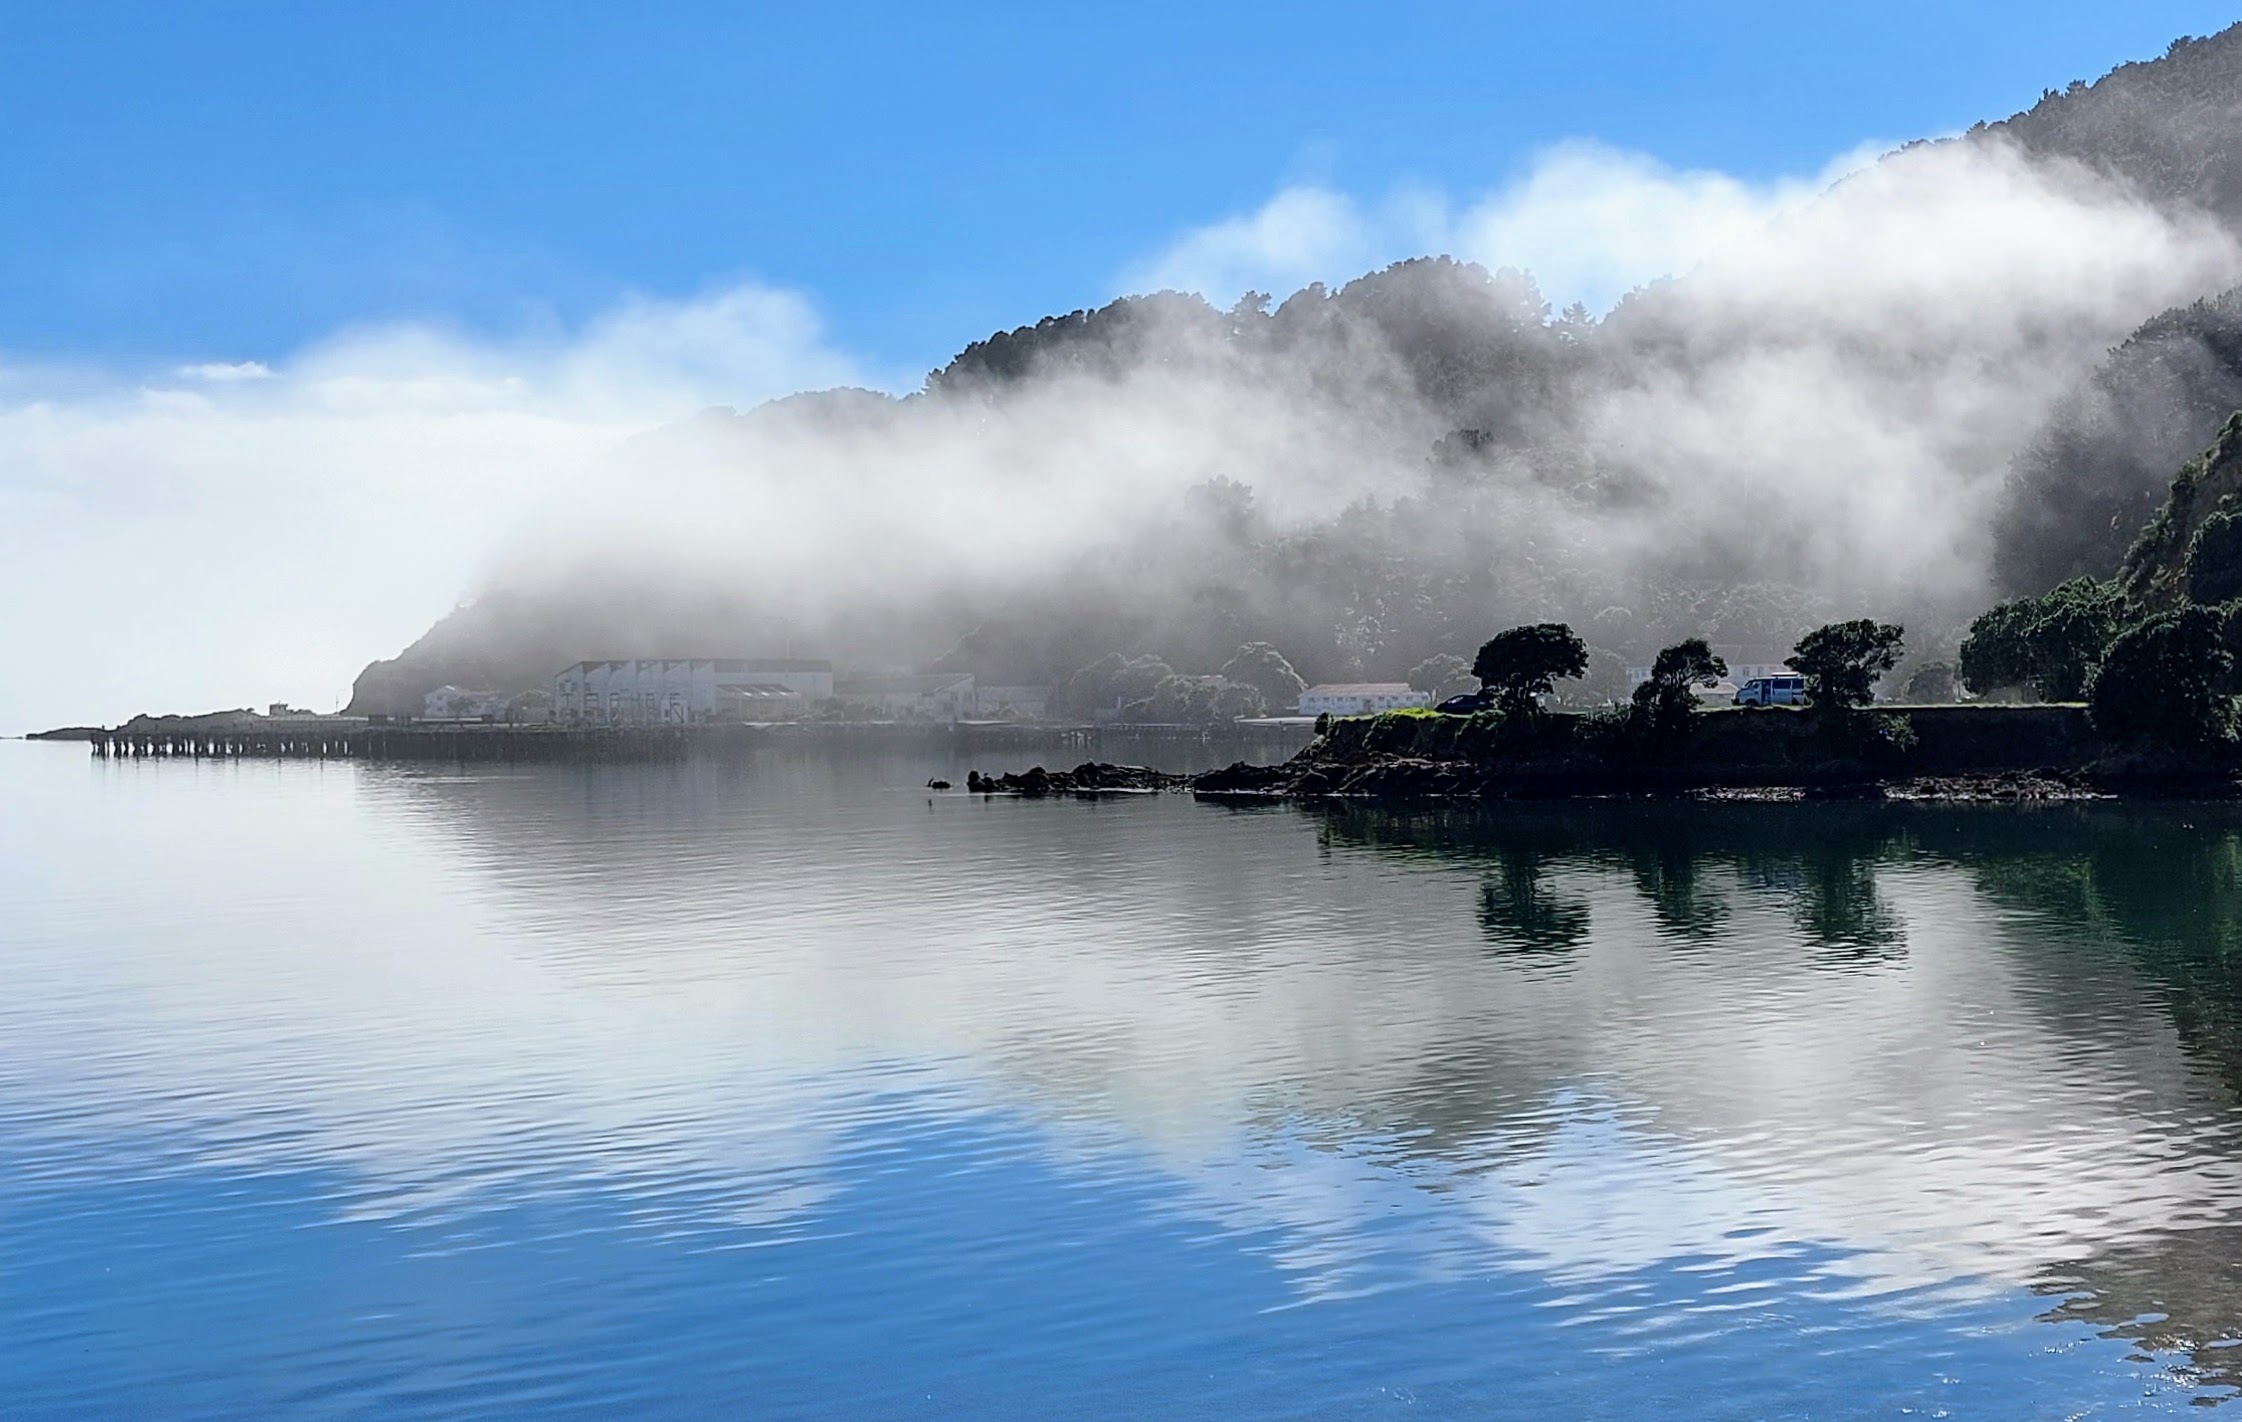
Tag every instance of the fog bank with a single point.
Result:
(1825, 398)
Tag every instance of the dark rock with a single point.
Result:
(1088, 778)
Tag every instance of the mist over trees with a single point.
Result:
(1363, 478)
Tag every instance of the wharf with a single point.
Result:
(352, 738)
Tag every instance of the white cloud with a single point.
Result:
(1589, 221)
(1841, 380)
(258, 532)
(223, 371)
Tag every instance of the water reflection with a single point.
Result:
(2109, 906)
(1649, 1055)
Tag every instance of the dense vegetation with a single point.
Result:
(2153, 651)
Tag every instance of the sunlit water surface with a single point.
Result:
(786, 1088)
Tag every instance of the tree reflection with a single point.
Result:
(1839, 909)
(1686, 904)
(1520, 913)
(1687, 861)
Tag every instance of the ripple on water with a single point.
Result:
(661, 1088)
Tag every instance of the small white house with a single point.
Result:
(1360, 698)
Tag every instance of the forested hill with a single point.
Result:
(2084, 487)
(2168, 127)
(1693, 460)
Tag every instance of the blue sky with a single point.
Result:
(231, 181)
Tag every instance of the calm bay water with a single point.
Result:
(787, 1089)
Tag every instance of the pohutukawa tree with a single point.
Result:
(1523, 664)
(1842, 661)
(1669, 697)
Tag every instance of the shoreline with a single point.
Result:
(1930, 754)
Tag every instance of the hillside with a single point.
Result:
(2079, 494)
(1370, 474)
(2191, 551)
(2167, 127)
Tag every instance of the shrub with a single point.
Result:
(2160, 683)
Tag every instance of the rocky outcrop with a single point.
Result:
(1088, 778)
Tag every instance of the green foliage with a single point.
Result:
(2095, 475)
(1233, 699)
(2214, 561)
(1669, 698)
(2159, 684)
(1197, 700)
(1264, 668)
(1842, 661)
(1524, 663)
(2152, 558)
(1441, 676)
(1110, 682)
(1931, 684)
(2048, 643)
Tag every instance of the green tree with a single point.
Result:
(1842, 661)
(1932, 684)
(1523, 664)
(1111, 681)
(1997, 653)
(2214, 560)
(1264, 668)
(1233, 699)
(1441, 676)
(1669, 697)
(2047, 643)
(2160, 683)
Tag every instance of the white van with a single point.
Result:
(1772, 691)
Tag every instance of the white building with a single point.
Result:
(450, 703)
(941, 696)
(687, 691)
(1360, 698)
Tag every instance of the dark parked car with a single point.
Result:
(1464, 705)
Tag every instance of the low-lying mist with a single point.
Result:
(1818, 407)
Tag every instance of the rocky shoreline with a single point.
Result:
(1317, 775)
(1091, 778)
(1422, 780)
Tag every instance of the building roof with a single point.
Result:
(1360, 688)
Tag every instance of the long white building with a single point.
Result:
(689, 691)
(1358, 698)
